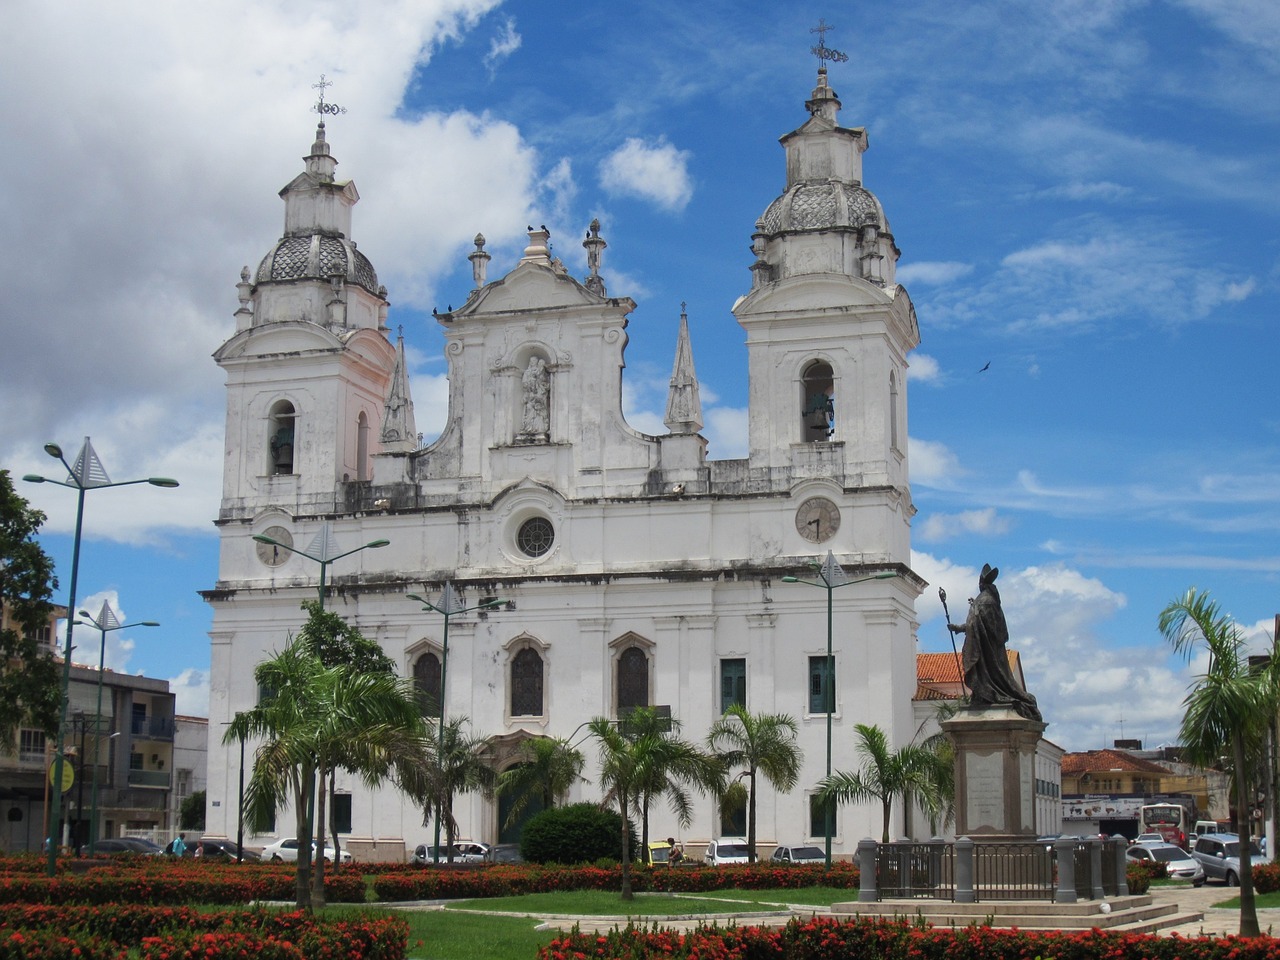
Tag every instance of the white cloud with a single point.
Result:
(1101, 190)
(655, 171)
(726, 432)
(933, 464)
(923, 369)
(932, 274)
(947, 526)
(503, 45)
(191, 691)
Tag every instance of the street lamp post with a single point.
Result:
(449, 605)
(106, 621)
(832, 577)
(322, 550)
(87, 474)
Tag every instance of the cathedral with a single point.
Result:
(615, 568)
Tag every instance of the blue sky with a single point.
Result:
(1085, 195)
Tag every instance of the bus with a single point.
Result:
(1171, 820)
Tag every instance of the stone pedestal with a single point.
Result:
(995, 773)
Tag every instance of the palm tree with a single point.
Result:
(1227, 710)
(547, 770)
(764, 744)
(457, 762)
(640, 758)
(885, 775)
(312, 716)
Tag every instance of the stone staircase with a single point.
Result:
(1129, 914)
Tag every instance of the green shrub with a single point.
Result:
(578, 833)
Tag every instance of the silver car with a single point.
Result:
(1219, 854)
(798, 854)
(1178, 864)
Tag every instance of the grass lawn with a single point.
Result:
(1260, 900)
(453, 935)
(605, 903)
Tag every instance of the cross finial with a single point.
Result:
(321, 107)
(822, 51)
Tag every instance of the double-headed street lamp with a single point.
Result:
(87, 474)
(322, 549)
(449, 605)
(106, 621)
(832, 578)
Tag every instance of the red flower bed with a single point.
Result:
(825, 939)
(498, 881)
(162, 933)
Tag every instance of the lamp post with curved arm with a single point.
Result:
(449, 604)
(87, 474)
(106, 621)
(832, 577)
(322, 550)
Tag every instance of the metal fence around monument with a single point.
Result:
(1018, 870)
(907, 870)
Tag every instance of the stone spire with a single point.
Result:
(399, 432)
(595, 246)
(684, 407)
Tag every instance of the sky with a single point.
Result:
(1084, 193)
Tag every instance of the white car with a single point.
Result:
(464, 851)
(1178, 864)
(286, 850)
(726, 850)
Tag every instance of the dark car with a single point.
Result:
(122, 846)
(504, 853)
(222, 850)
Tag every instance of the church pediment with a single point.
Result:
(277, 338)
(530, 286)
(813, 293)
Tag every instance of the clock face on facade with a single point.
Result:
(817, 519)
(273, 556)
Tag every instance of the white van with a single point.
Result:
(727, 850)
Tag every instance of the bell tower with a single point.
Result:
(310, 366)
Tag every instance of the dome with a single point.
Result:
(823, 206)
(317, 257)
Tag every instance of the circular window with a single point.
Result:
(535, 536)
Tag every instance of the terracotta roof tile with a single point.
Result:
(1107, 761)
(943, 668)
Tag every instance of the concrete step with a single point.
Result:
(1130, 914)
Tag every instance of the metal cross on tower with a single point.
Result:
(321, 107)
(822, 51)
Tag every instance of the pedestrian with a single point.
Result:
(179, 846)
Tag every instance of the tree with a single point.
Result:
(577, 833)
(191, 812)
(457, 762)
(30, 685)
(1226, 711)
(640, 757)
(310, 717)
(548, 768)
(764, 744)
(885, 775)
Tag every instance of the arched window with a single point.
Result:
(526, 684)
(362, 447)
(280, 427)
(633, 679)
(818, 402)
(893, 411)
(426, 683)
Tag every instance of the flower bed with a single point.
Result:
(163, 933)
(501, 881)
(826, 939)
(162, 881)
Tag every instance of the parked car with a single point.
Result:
(121, 846)
(504, 853)
(1151, 838)
(726, 850)
(804, 854)
(219, 849)
(286, 849)
(1178, 864)
(464, 851)
(1219, 854)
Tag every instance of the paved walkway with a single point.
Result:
(1217, 921)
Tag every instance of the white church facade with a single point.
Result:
(638, 570)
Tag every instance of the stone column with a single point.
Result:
(994, 773)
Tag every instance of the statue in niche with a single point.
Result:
(986, 664)
(536, 385)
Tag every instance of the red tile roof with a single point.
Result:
(1107, 761)
(943, 668)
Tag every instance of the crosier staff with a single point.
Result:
(942, 595)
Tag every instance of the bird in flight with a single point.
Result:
(985, 367)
